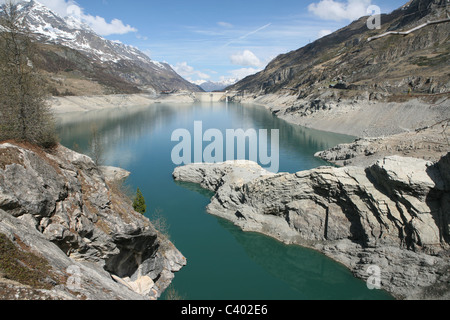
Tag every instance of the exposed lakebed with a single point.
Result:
(223, 261)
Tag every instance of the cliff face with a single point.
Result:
(393, 214)
(62, 208)
(348, 62)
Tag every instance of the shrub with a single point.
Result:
(139, 202)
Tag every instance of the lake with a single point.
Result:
(224, 263)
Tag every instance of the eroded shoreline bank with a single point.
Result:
(72, 104)
(413, 128)
(360, 116)
(385, 215)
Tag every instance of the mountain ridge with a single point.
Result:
(345, 60)
(70, 51)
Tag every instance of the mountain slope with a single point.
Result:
(74, 52)
(346, 61)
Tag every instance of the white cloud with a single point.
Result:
(148, 52)
(198, 82)
(225, 24)
(70, 8)
(338, 10)
(141, 37)
(99, 25)
(186, 71)
(323, 33)
(245, 59)
(59, 6)
(243, 72)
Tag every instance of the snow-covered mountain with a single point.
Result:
(210, 86)
(68, 31)
(124, 61)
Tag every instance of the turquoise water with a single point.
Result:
(224, 263)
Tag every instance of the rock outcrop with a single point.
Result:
(59, 206)
(394, 214)
(430, 143)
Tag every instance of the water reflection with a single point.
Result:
(114, 125)
(297, 144)
(196, 188)
(220, 257)
(308, 272)
(127, 125)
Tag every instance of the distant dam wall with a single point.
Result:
(210, 96)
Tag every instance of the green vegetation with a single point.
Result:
(22, 266)
(24, 113)
(139, 202)
(431, 61)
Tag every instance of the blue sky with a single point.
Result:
(214, 40)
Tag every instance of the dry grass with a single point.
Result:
(9, 156)
(172, 294)
(160, 223)
(69, 72)
(69, 84)
(121, 202)
(38, 150)
(18, 263)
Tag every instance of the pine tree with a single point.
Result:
(139, 202)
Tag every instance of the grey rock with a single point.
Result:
(393, 214)
(94, 283)
(67, 200)
(429, 143)
(113, 174)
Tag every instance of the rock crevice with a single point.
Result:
(65, 199)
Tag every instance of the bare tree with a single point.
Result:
(25, 114)
(96, 149)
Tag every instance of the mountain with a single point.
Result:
(347, 62)
(77, 59)
(210, 86)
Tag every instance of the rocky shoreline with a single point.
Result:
(393, 214)
(70, 104)
(57, 207)
(361, 115)
(371, 214)
(429, 143)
